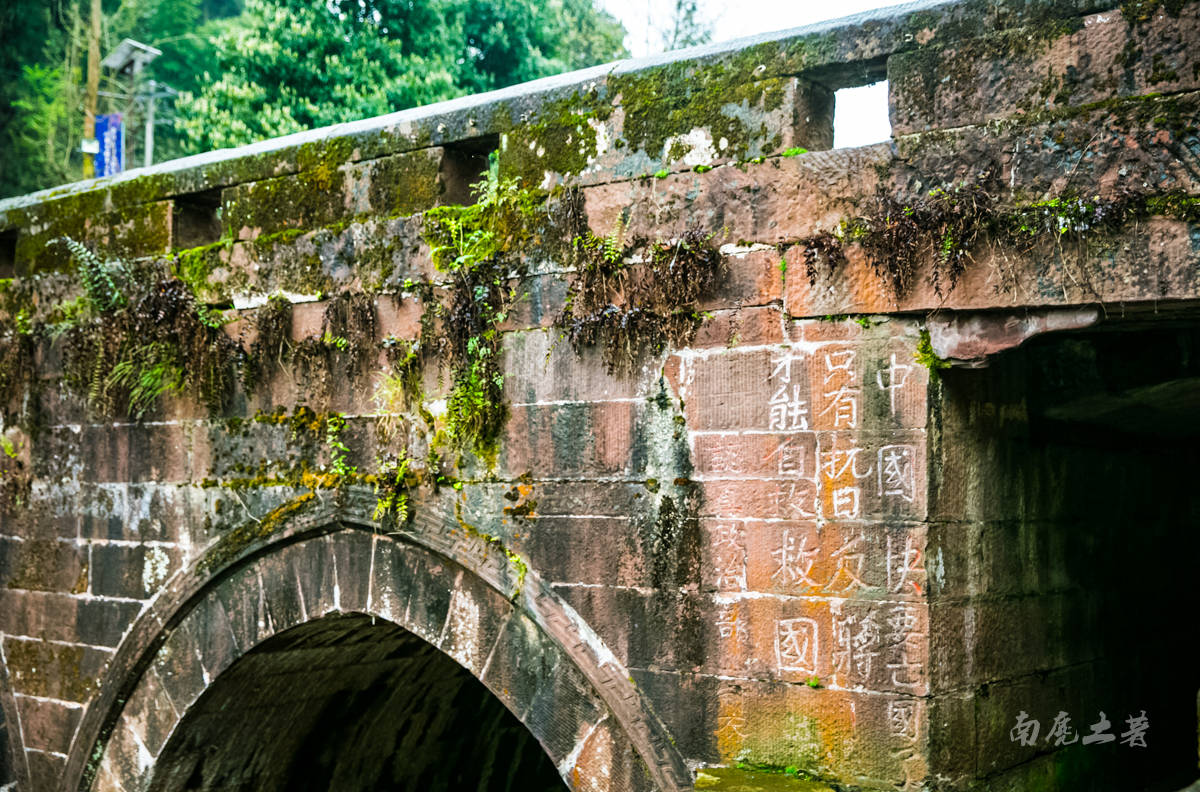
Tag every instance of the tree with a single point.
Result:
(687, 28)
(298, 64)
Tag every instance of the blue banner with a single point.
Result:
(110, 134)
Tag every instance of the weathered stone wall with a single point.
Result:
(736, 518)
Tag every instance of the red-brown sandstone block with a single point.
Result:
(876, 645)
(68, 672)
(788, 456)
(752, 278)
(132, 571)
(543, 366)
(1023, 71)
(828, 559)
(47, 725)
(870, 739)
(739, 327)
(567, 440)
(850, 288)
(587, 549)
(44, 565)
(724, 390)
(787, 499)
(776, 201)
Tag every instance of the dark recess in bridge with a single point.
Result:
(352, 704)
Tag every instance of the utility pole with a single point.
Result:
(150, 124)
(90, 147)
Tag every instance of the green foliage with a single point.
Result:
(297, 64)
(813, 682)
(131, 338)
(662, 174)
(794, 151)
(636, 308)
(99, 278)
(338, 452)
(686, 27)
(392, 489)
(472, 245)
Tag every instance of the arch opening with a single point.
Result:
(352, 703)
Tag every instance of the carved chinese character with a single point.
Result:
(902, 719)
(904, 567)
(897, 475)
(850, 560)
(789, 413)
(794, 560)
(729, 558)
(892, 379)
(796, 645)
(837, 463)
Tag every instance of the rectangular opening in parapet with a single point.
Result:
(197, 219)
(464, 164)
(860, 115)
(8, 254)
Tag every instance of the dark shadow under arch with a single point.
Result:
(355, 704)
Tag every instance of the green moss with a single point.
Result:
(757, 778)
(234, 543)
(663, 102)
(560, 137)
(928, 358)
(1137, 11)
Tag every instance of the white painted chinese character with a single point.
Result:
(902, 719)
(789, 413)
(843, 403)
(896, 375)
(838, 461)
(796, 645)
(846, 503)
(794, 560)
(730, 623)
(729, 558)
(796, 501)
(896, 472)
(839, 365)
(850, 558)
(900, 566)
(793, 459)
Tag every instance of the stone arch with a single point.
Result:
(13, 768)
(457, 590)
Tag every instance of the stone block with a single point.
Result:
(1062, 66)
(47, 725)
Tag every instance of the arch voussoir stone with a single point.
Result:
(457, 591)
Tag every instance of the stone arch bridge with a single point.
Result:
(664, 447)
